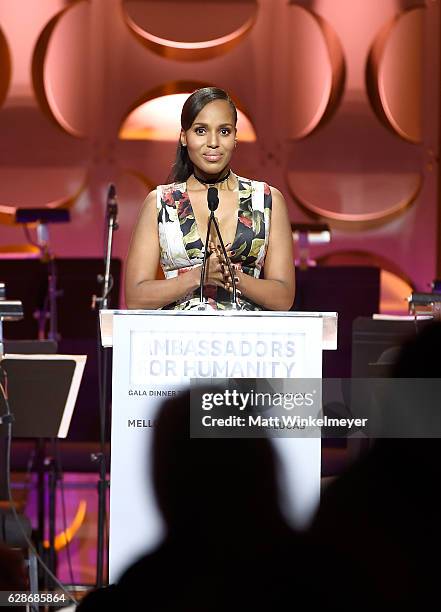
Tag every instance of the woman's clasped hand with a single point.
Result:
(217, 271)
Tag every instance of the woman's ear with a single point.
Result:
(183, 139)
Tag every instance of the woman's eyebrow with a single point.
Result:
(220, 125)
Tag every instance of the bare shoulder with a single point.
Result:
(148, 207)
(151, 197)
(277, 198)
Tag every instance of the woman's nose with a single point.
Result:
(213, 139)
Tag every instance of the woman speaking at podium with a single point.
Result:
(172, 225)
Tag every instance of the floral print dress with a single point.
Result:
(181, 247)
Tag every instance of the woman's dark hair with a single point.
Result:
(183, 167)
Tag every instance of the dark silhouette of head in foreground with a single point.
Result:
(208, 488)
(380, 522)
(227, 545)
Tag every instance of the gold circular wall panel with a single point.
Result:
(317, 71)
(394, 293)
(5, 67)
(132, 186)
(193, 30)
(156, 115)
(44, 187)
(60, 67)
(147, 184)
(354, 201)
(394, 74)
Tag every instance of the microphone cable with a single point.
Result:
(213, 203)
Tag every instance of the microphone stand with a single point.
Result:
(204, 263)
(49, 310)
(213, 203)
(103, 367)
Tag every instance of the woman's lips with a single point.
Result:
(212, 157)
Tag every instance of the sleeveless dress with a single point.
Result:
(181, 246)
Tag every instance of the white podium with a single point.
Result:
(155, 353)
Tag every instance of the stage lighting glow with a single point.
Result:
(394, 291)
(159, 119)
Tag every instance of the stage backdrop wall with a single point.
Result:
(339, 109)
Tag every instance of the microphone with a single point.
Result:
(212, 199)
(112, 205)
(42, 235)
(213, 203)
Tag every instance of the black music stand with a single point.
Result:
(42, 392)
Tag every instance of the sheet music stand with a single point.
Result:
(42, 392)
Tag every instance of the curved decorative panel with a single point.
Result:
(156, 116)
(132, 188)
(395, 286)
(317, 71)
(66, 536)
(198, 30)
(147, 183)
(394, 74)
(354, 200)
(394, 293)
(60, 67)
(51, 188)
(5, 67)
(23, 250)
